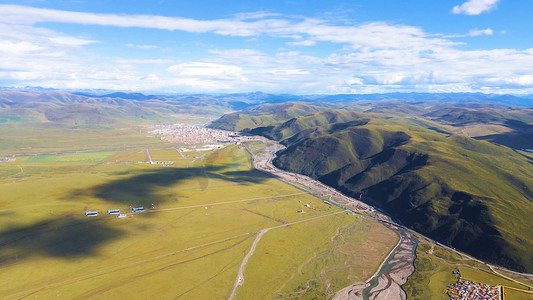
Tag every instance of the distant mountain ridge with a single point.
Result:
(52, 106)
(511, 124)
(432, 97)
(261, 97)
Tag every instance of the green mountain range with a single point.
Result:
(264, 115)
(470, 194)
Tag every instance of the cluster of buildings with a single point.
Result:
(196, 134)
(202, 148)
(7, 159)
(466, 289)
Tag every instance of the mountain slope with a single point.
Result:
(472, 195)
(509, 127)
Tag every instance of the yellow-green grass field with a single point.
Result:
(128, 156)
(200, 222)
(511, 294)
(433, 274)
(165, 155)
(71, 157)
(343, 253)
(33, 138)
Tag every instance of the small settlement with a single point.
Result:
(466, 289)
(196, 134)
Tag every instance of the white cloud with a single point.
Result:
(144, 47)
(475, 7)
(17, 14)
(478, 32)
(520, 80)
(155, 61)
(372, 57)
(288, 72)
(202, 69)
(371, 35)
(18, 46)
(70, 41)
(256, 15)
(302, 43)
(472, 32)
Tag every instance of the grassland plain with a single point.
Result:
(205, 215)
(71, 157)
(339, 256)
(38, 138)
(128, 156)
(511, 294)
(433, 274)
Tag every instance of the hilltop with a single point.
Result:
(469, 194)
(264, 115)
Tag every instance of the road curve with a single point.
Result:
(240, 276)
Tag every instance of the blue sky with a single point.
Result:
(299, 47)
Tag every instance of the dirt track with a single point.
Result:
(240, 276)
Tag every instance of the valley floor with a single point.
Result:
(218, 224)
(388, 281)
(203, 213)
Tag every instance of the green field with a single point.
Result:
(203, 215)
(72, 157)
(45, 138)
(330, 261)
(165, 155)
(129, 156)
(510, 294)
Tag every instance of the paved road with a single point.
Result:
(182, 156)
(148, 156)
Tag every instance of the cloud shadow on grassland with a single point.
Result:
(70, 237)
(521, 136)
(144, 189)
(61, 237)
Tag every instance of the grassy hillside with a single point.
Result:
(470, 194)
(511, 127)
(264, 115)
(314, 124)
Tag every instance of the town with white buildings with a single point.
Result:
(197, 134)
